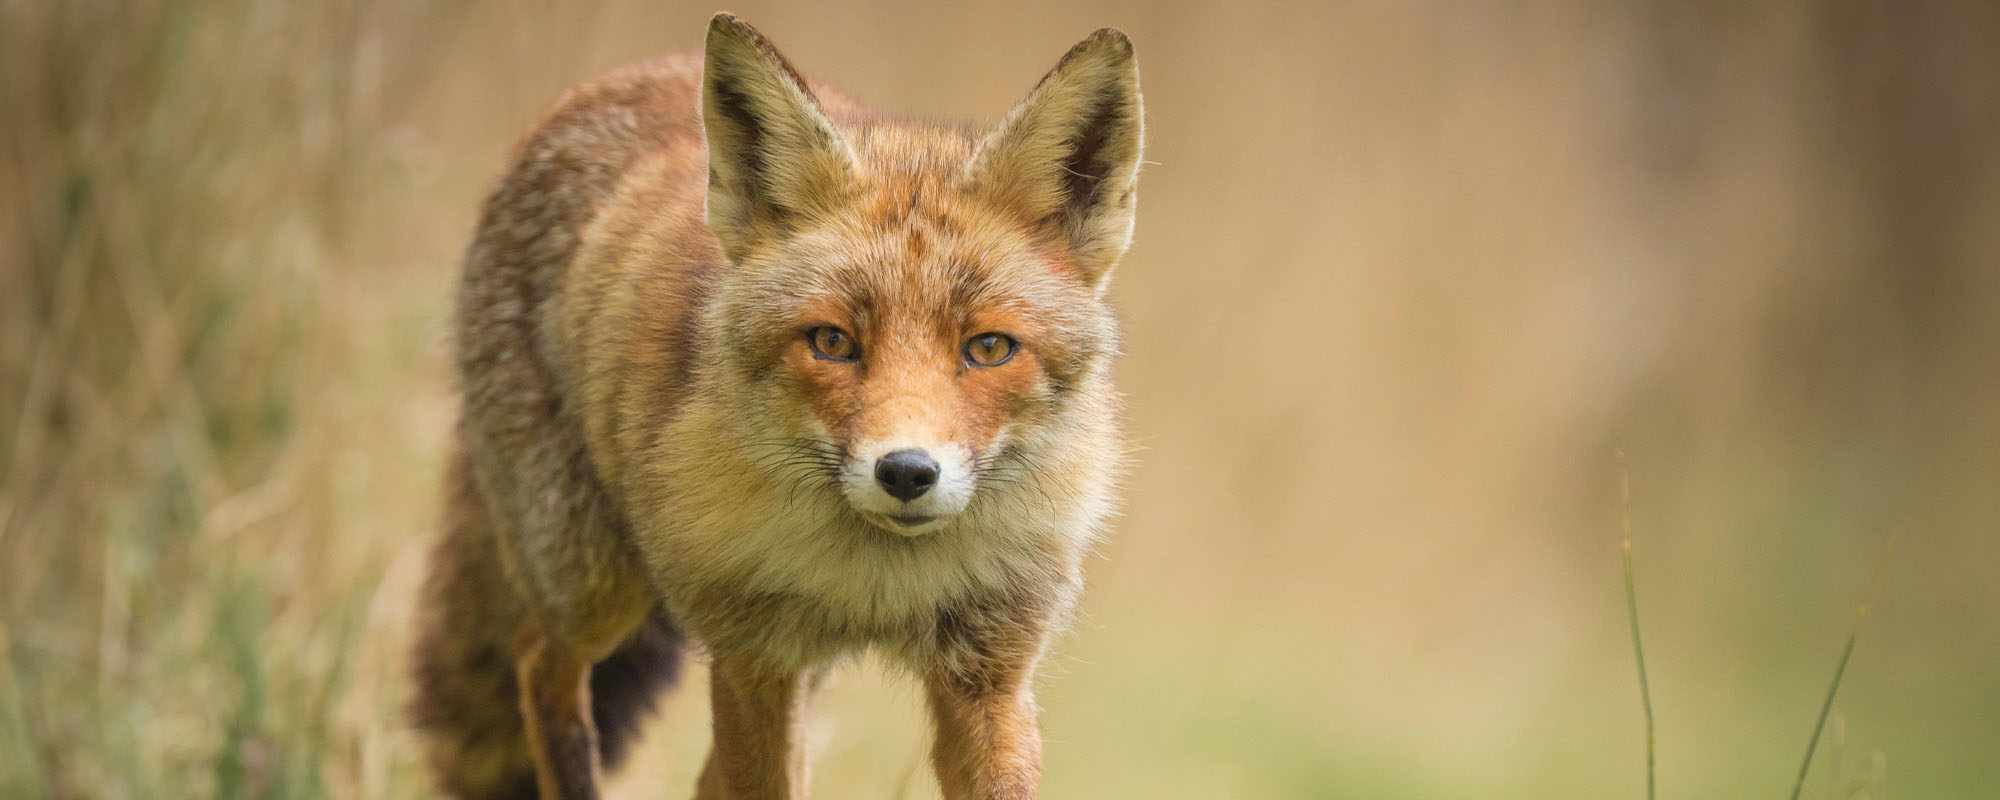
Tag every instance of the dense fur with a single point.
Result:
(651, 443)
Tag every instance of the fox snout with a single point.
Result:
(906, 486)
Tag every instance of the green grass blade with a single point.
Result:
(1847, 652)
(1632, 612)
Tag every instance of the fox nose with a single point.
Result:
(906, 474)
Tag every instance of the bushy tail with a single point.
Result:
(625, 686)
(468, 705)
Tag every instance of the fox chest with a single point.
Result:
(808, 594)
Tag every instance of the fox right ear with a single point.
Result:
(1067, 158)
(773, 156)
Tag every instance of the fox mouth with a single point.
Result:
(904, 524)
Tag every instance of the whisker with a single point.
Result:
(808, 465)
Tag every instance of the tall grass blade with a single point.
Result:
(1853, 632)
(1632, 612)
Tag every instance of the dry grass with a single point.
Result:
(202, 492)
(1406, 276)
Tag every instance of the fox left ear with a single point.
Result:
(1068, 156)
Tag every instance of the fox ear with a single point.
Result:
(773, 156)
(1068, 156)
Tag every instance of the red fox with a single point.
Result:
(751, 368)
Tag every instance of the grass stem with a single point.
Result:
(1853, 632)
(1632, 612)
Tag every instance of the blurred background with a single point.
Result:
(1408, 277)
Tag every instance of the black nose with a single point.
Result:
(906, 474)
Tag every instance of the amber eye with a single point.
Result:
(831, 342)
(990, 349)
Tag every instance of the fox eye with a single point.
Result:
(990, 349)
(833, 343)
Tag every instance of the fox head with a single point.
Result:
(917, 310)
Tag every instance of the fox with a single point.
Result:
(751, 372)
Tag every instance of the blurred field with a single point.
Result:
(1407, 276)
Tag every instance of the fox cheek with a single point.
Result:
(985, 401)
(828, 391)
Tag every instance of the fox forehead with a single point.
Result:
(908, 155)
(906, 235)
(924, 275)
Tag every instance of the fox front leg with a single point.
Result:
(987, 744)
(759, 731)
